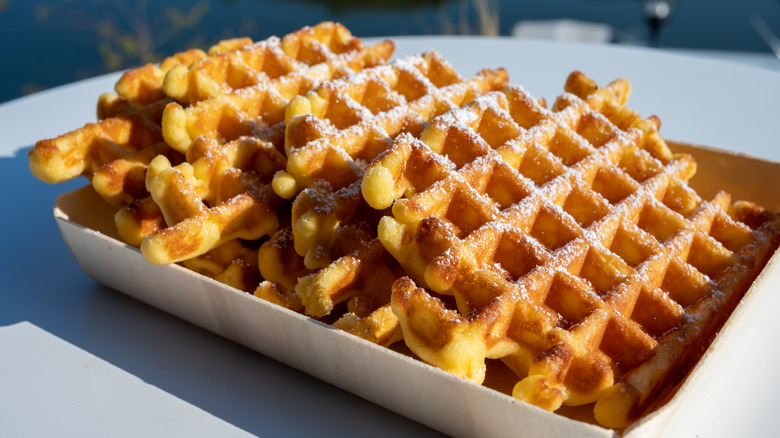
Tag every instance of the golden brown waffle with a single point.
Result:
(361, 276)
(572, 245)
(243, 207)
(127, 133)
(337, 128)
(113, 152)
(206, 201)
(246, 90)
(319, 212)
(213, 166)
(352, 266)
(280, 265)
(121, 180)
(238, 99)
(332, 226)
(144, 85)
(360, 267)
(380, 326)
(234, 263)
(238, 94)
(298, 60)
(333, 129)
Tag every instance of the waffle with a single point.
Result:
(114, 151)
(360, 268)
(332, 226)
(244, 207)
(234, 263)
(144, 85)
(246, 90)
(120, 138)
(360, 276)
(353, 268)
(281, 266)
(140, 96)
(214, 168)
(380, 326)
(334, 130)
(565, 242)
(237, 99)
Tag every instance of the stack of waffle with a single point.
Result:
(400, 201)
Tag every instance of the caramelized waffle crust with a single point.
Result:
(232, 136)
(344, 273)
(188, 149)
(401, 201)
(331, 133)
(573, 247)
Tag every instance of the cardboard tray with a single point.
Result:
(385, 376)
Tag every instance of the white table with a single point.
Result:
(79, 359)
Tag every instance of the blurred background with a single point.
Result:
(52, 42)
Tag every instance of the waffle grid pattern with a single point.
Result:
(243, 91)
(333, 132)
(232, 138)
(349, 123)
(573, 254)
(353, 120)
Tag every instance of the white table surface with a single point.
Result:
(79, 359)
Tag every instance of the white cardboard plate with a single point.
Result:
(388, 378)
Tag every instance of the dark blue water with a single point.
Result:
(48, 43)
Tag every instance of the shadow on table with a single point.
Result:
(44, 285)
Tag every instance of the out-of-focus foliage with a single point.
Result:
(125, 32)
